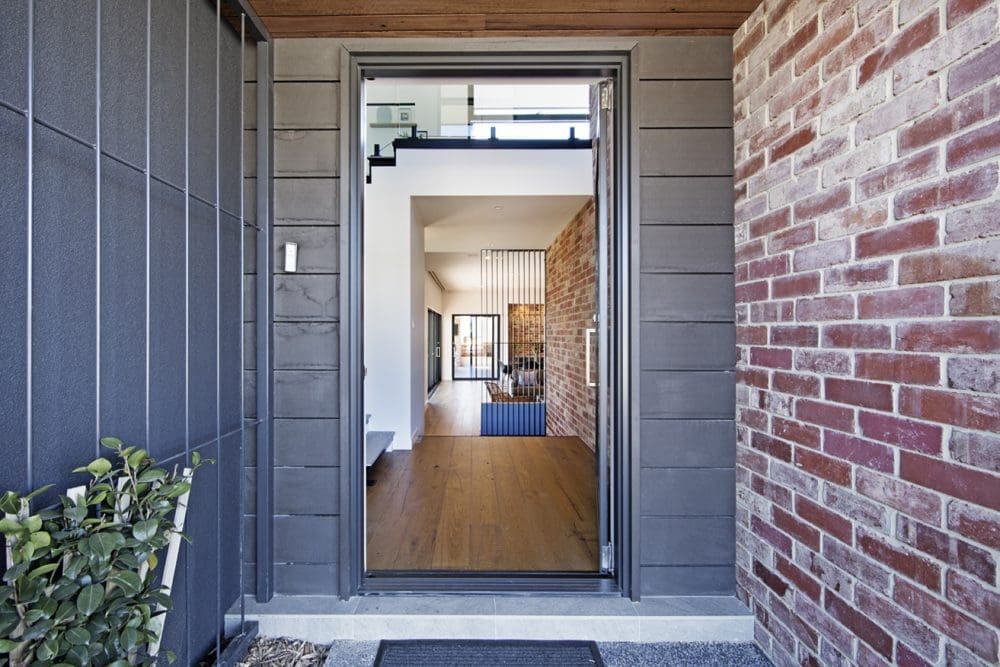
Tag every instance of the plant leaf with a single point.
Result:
(98, 467)
(6, 645)
(111, 442)
(42, 570)
(8, 526)
(136, 458)
(90, 598)
(41, 539)
(144, 530)
(77, 636)
(152, 475)
(128, 581)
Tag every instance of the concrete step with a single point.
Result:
(655, 619)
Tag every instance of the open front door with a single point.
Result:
(600, 338)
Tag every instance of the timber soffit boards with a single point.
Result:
(487, 18)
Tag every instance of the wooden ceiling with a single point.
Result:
(501, 18)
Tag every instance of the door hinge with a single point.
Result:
(607, 101)
(607, 558)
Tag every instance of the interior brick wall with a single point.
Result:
(570, 301)
(867, 262)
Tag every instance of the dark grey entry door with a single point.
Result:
(433, 349)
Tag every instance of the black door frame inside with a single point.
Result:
(367, 61)
(434, 323)
(494, 366)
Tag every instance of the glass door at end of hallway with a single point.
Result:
(433, 349)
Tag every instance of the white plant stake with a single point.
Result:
(173, 551)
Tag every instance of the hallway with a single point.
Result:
(453, 409)
(484, 504)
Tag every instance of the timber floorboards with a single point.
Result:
(490, 504)
(454, 408)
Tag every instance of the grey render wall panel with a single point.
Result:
(249, 299)
(201, 101)
(686, 298)
(688, 540)
(307, 442)
(14, 64)
(687, 345)
(688, 443)
(686, 103)
(686, 249)
(230, 326)
(312, 105)
(166, 321)
(230, 132)
(306, 298)
(65, 56)
(319, 248)
(703, 200)
(168, 32)
(202, 354)
(687, 394)
(123, 79)
(688, 492)
(685, 58)
(306, 201)
(305, 578)
(250, 154)
(249, 395)
(305, 539)
(306, 346)
(14, 293)
(688, 580)
(686, 152)
(64, 371)
(299, 153)
(230, 474)
(306, 60)
(123, 303)
(250, 196)
(310, 491)
(306, 394)
(204, 616)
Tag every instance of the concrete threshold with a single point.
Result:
(322, 619)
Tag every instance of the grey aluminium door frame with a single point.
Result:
(360, 61)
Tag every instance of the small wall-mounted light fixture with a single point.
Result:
(291, 257)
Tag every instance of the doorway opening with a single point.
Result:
(491, 345)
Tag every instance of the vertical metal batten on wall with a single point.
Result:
(97, 234)
(29, 280)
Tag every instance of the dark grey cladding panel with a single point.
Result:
(300, 297)
(688, 540)
(250, 489)
(687, 443)
(230, 324)
(230, 132)
(307, 491)
(306, 345)
(64, 372)
(201, 317)
(230, 475)
(166, 321)
(688, 492)
(687, 580)
(204, 615)
(306, 393)
(686, 104)
(686, 152)
(305, 539)
(305, 579)
(686, 249)
(705, 200)
(687, 394)
(14, 64)
(306, 201)
(250, 346)
(685, 58)
(249, 577)
(249, 298)
(249, 198)
(306, 442)
(249, 394)
(687, 345)
(65, 66)
(687, 298)
(175, 623)
(201, 100)
(249, 442)
(319, 248)
(14, 293)
(123, 303)
(249, 538)
(167, 89)
(123, 79)
(249, 250)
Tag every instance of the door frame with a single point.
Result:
(612, 59)
(430, 317)
(495, 370)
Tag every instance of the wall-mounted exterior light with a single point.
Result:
(291, 257)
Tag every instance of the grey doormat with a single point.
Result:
(485, 652)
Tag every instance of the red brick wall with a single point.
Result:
(868, 253)
(570, 304)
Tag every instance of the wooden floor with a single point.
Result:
(454, 409)
(484, 504)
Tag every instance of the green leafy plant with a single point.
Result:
(83, 589)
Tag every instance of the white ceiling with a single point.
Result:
(456, 228)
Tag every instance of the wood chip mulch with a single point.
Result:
(269, 652)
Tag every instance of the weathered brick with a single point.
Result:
(967, 410)
(792, 238)
(973, 597)
(825, 202)
(749, 292)
(794, 335)
(976, 523)
(771, 446)
(829, 522)
(959, 10)
(854, 219)
(770, 222)
(857, 450)
(858, 276)
(946, 192)
(908, 563)
(802, 434)
(799, 284)
(828, 468)
(975, 299)
(793, 142)
(901, 368)
(901, 109)
(822, 361)
(856, 507)
(771, 535)
(822, 255)
(857, 336)
(974, 222)
(863, 41)
(974, 71)
(974, 374)
(981, 450)
(903, 44)
(896, 303)
(973, 146)
(915, 633)
(980, 639)
(956, 481)
(824, 308)
(964, 336)
(770, 579)
(906, 433)
(797, 529)
(865, 629)
(802, 581)
(873, 395)
(834, 33)
(771, 357)
(949, 120)
(969, 260)
(898, 173)
(905, 237)
(947, 549)
(899, 495)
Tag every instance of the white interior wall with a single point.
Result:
(393, 308)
